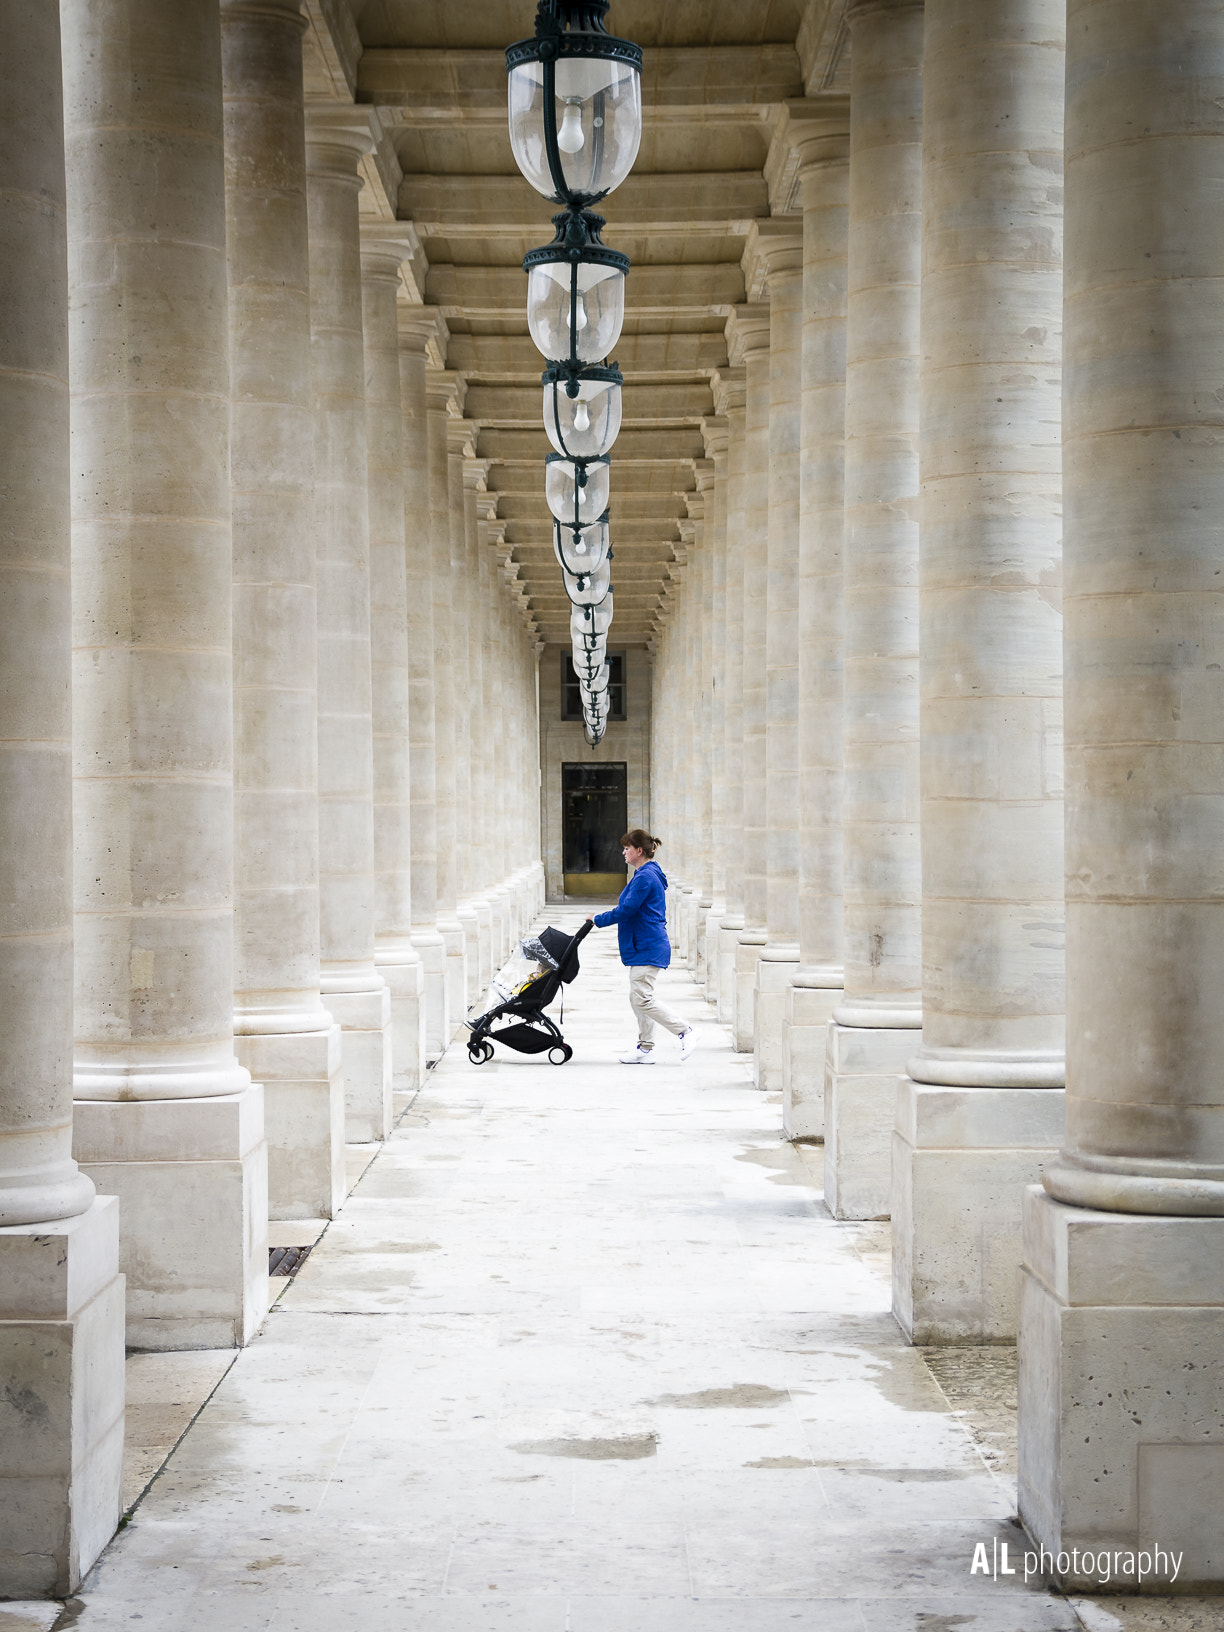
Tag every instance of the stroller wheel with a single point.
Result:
(559, 1053)
(480, 1053)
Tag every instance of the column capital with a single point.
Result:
(423, 329)
(715, 431)
(862, 8)
(728, 387)
(385, 246)
(276, 11)
(461, 441)
(774, 249)
(446, 391)
(703, 471)
(747, 332)
(338, 136)
(808, 127)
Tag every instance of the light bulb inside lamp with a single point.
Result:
(580, 317)
(582, 416)
(570, 138)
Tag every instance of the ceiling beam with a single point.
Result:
(503, 358)
(710, 201)
(708, 288)
(450, 87)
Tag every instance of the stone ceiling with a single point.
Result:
(720, 81)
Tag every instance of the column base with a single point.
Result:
(400, 967)
(729, 932)
(457, 1001)
(470, 925)
(303, 1084)
(864, 1067)
(804, 1050)
(961, 1159)
(431, 949)
(61, 1355)
(191, 1176)
(365, 1059)
(774, 969)
(1121, 1407)
(711, 917)
(748, 947)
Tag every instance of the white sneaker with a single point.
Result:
(688, 1042)
(638, 1056)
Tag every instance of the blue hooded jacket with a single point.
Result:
(640, 917)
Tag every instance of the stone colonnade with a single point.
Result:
(889, 776)
(237, 692)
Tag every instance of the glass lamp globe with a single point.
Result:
(582, 549)
(576, 490)
(594, 619)
(575, 108)
(589, 588)
(590, 651)
(597, 682)
(585, 425)
(575, 309)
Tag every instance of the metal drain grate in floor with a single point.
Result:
(286, 1260)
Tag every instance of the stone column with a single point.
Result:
(981, 1108)
(336, 139)
(384, 248)
(873, 1030)
(778, 245)
(714, 432)
(1122, 1300)
(168, 1119)
(418, 330)
(476, 768)
(61, 1296)
(729, 391)
(461, 445)
(442, 389)
(748, 340)
(823, 149)
(283, 1034)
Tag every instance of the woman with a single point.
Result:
(640, 917)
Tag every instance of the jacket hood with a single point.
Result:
(657, 868)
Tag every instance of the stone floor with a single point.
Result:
(586, 1353)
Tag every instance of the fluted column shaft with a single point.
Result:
(732, 921)
(823, 149)
(1143, 473)
(337, 137)
(39, 1180)
(276, 826)
(153, 684)
(882, 860)
(991, 556)
(284, 1035)
(753, 350)
(415, 331)
(384, 249)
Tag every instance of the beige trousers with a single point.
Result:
(647, 1007)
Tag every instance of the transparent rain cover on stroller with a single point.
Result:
(531, 960)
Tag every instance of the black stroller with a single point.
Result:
(520, 1022)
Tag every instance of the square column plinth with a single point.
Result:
(1121, 1406)
(406, 984)
(772, 999)
(808, 1012)
(191, 1176)
(961, 1160)
(303, 1088)
(61, 1417)
(728, 940)
(864, 1067)
(747, 955)
(365, 1060)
